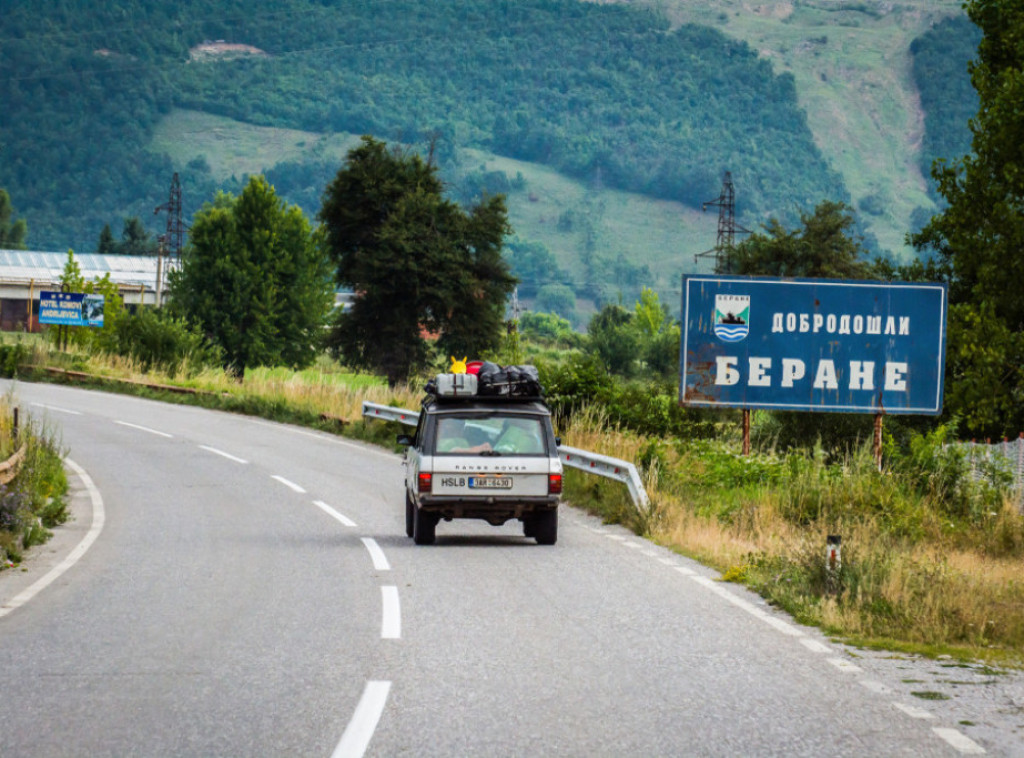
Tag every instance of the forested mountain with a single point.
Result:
(605, 93)
(947, 97)
(612, 95)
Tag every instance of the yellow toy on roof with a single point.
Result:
(458, 367)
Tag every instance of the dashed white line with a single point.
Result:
(685, 571)
(876, 687)
(846, 666)
(289, 484)
(914, 711)
(145, 429)
(960, 741)
(739, 602)
(333, 513)
(391, 619)
(323, 437)
(364, 721)
(221, 453)
(814, 646)
(668, 561)
(98, 519)
(380, 563)
(634, 545)
(58, 410)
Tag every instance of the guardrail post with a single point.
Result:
(14, 425)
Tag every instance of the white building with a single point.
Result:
(25, 273)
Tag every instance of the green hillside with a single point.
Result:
(606, 125)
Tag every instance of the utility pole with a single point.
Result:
(174, 237)
(727, 226)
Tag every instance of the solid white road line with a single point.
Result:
(98, 519)
(331, 512)
(960, 741)
(360, 729)
(58, 410)
(288, 484)
(753, 610)
(145, 429)
(221, 453)
(380, 563)
(915, 712)
(391, 619)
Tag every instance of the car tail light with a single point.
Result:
(424, 481)
(554, 484)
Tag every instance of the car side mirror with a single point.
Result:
(404, 439)
(558, 441)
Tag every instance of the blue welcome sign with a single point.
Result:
(813, 345)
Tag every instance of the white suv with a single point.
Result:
(490, 458)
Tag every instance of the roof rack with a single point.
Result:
(491, 382)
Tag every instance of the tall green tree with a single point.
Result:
(255, 278)
(136, 239)
(106, 245)
(418, 262)
(979, 238)
(12, 233)
(824, 247)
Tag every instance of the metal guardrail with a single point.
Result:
(584, 460)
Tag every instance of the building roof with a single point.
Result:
(42, 267)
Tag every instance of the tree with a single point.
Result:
(978, 239)
(135, 239)
(419, 263)
(613, 337)
(823, 248)
(106, 245)
(12, 233)
(255, 278)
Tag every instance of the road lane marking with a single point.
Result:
(960, 741)
(59, 410)
(668, 561)
(364, 721)
(145, 429)
(814, 646)
(915, 712)
(333, 513)
(324, 438)
(380, 563)
(221, 453)
(876, 687)
(289, 484)
(685, 571)
(391, 619)
(753, 610)
(98, 519)
(844, 665)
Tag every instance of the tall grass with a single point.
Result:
(930, 556)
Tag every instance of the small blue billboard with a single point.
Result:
(813, 345)
(70, 309)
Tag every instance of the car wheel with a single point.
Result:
(529, 527)
(410, 515)
(545, 527)
(423, 527)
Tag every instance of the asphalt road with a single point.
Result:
(252, 592)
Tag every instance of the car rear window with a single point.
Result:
(504, 434)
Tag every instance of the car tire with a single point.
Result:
(529, 527)
(545, 527)
(410, 515)
(423, 527)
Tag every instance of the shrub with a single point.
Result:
(158, 340)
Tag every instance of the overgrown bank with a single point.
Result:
(931, 555)
(33, 500)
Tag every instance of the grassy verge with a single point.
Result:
(35, 500)
(930, 557)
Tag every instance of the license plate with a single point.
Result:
(490, 482)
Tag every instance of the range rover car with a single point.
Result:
(489, 458)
